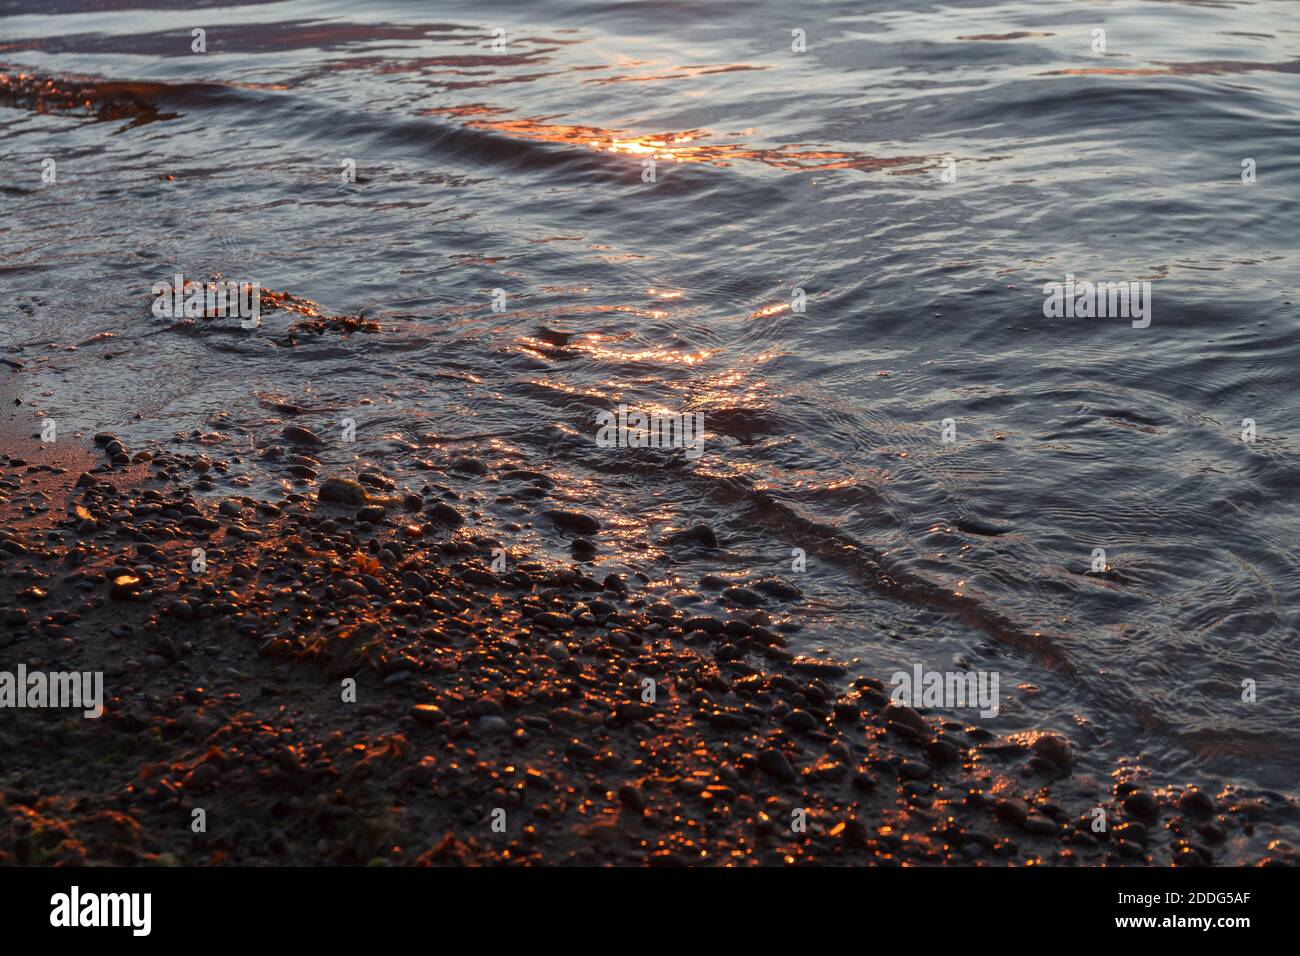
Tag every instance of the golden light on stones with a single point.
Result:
(125, 586)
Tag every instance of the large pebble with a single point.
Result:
(775, 764)
(343, 491)
(302, 436)
(695, 534)
(1197, 802)
(1055, 748)
(1142, 804)
(490, 724)
(575, 520)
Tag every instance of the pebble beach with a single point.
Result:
(532, 716)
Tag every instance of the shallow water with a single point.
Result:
(522, 170)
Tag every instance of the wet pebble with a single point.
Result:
(632, 798)
(800, 721)
(776, 765)
(427, 714)
(445, 513)
(742, 596)
(490, 724)
(343, 491)
(1055, 748)
(201, 777)
(124, 587)
(575, 520)
(913, 769)
(1133, 832)
(1197, 802)
(1142, 804)
(302, 436)
(1211, 831)
(468, 465)
(905, 716)
(695, 534)
(579, 751)
(819, 668)
(1011, 810)
(778, 588)
(943, 751)
(1039, 826)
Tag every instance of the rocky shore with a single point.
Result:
(351, 675)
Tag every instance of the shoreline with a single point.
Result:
(498, 717)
